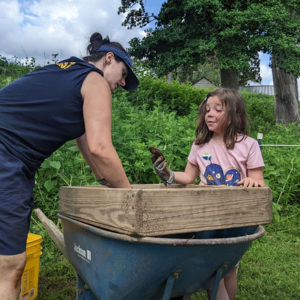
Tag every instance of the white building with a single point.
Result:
(264, 89)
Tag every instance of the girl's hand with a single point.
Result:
(160, 166)
(250, 182)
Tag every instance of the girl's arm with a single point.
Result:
(97, 113)
(188, 176)
(255, 178)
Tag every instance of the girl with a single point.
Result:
(222, 153)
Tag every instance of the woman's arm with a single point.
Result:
(82, 145)
(97, 113)
(188, 176)
(255, 178)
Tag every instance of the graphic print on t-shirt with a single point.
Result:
(66, 65)
(214, 173)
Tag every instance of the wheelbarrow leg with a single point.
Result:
(169, 286)
(82, 292)
(217, 282)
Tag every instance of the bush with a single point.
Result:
(179, 97)
(65, 167)
(174, 96)
(163, 114)
(10, 71)
(135, 130)
(261, 111)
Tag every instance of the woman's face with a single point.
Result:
(115, 72)
(215, 115)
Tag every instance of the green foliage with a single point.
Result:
(283, 35)
(260, 110)
(172, 96)
(191, 73)
(10, 71)
(164, 115)
(282, 170)
(65, 167)
(209, 69)
(188, 32)
(135, 130)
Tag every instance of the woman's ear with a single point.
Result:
(108, 58)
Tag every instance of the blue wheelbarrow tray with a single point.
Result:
(116, 266)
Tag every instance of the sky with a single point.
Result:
(40, 28)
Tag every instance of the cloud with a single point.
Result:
(265, 70)
(266, 74)
(41, 28)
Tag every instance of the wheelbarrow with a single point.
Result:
(115, 266)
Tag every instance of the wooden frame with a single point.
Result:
(153, 209)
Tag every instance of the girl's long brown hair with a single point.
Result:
(235, 118)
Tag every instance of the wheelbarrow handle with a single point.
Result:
(55, 234)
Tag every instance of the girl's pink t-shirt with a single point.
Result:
(219, 165)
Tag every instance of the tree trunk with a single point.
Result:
(182, 74)
(229, 79)
(170, 77)
(286, 95)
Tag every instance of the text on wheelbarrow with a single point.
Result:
(84, 254)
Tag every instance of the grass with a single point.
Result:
(275, 262)
(57, 278)
(270, 269)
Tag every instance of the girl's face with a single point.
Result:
(115, 72)
(215, 115)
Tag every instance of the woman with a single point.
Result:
(40, 112)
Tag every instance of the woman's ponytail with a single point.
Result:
(96, 40)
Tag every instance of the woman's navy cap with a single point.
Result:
(131, 80)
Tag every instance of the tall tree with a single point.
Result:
(284, 45)
(286, 95)
(193, 72)
(188, 31)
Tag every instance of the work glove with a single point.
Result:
(160, 166)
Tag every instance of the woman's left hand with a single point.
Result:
(250, 182)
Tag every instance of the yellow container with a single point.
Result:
(30, 277)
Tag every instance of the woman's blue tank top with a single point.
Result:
(42, 110)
